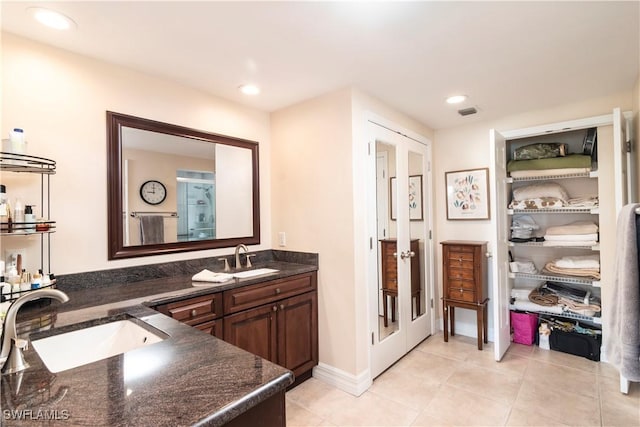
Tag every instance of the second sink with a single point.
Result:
(76, 348)
(252, 273)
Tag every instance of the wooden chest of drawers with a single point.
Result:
(389, 272)
(464, 280)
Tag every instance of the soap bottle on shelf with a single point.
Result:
(29, 218)
(18, 214)
(18, 141)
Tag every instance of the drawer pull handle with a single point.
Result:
(194, 313)
(274, 308)
(278, 291)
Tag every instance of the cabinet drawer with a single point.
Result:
(462, 249)
(468, 264)
(253, 296)
(461, 257)
(462, 284)
(460, 273)
(462, 295)
(194, 310)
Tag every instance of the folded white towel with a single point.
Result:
(556, 243)
(571, 237)
(586, 261)
(211, 276)
(577, 227)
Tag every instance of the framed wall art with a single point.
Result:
(467, 194)
(415, 198)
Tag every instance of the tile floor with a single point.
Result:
(454, 384)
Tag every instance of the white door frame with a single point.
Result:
(380, 128)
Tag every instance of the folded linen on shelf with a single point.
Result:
(577, 227)
(569, 243)
(577, 272)
(570, 161)
(582, 262)
(537, 203)
(570, 237)
(211, 276)
(540, 190)
(525, 305)
(583, 202)
(532, 173)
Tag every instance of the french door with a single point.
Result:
(400, 248)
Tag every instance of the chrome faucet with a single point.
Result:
(246, 250)
(11, 356)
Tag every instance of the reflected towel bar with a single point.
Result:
(136, 214)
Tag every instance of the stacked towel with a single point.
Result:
(578, 266)
(579, 233)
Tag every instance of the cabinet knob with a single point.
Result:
(460, 260)
(274, 308)
(281, 306)
(278, 291)
(194, 313)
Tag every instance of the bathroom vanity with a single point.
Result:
(189, 377)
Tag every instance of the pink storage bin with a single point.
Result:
(524, 327)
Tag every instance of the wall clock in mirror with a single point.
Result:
(153, 192)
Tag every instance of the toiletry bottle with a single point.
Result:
(18, 214)
(18, 141)
(29, 218)
(4, 214)
(36, 281)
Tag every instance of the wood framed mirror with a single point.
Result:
(176, 189)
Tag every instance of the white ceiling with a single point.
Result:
(509, 57)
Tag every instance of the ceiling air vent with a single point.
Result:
(467, 111)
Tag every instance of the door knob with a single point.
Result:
(407, 254)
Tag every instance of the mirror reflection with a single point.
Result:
(417, 234)
(176, 189)
(387, 253)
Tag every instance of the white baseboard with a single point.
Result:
(352, 384)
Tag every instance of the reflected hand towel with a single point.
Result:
(151, 229)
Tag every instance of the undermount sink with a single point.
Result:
(80, 347)
(252, 273)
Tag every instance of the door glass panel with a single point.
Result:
(387, 283)
(417, 233)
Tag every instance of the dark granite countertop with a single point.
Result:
(189, 378)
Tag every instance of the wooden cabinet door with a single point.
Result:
(254, 330)
(298, 333)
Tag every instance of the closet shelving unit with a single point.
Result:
(542, 252)
(22, 163)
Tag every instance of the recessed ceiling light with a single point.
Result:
(456, 99)
(52, 19)
(249, 89)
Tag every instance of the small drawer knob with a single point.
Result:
(278, 291)
(281, 306)
(274, 308)
(194, 313)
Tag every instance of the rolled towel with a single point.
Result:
(211, 276)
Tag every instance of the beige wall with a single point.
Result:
(60, 99)
(312, 199)
(467, 147)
